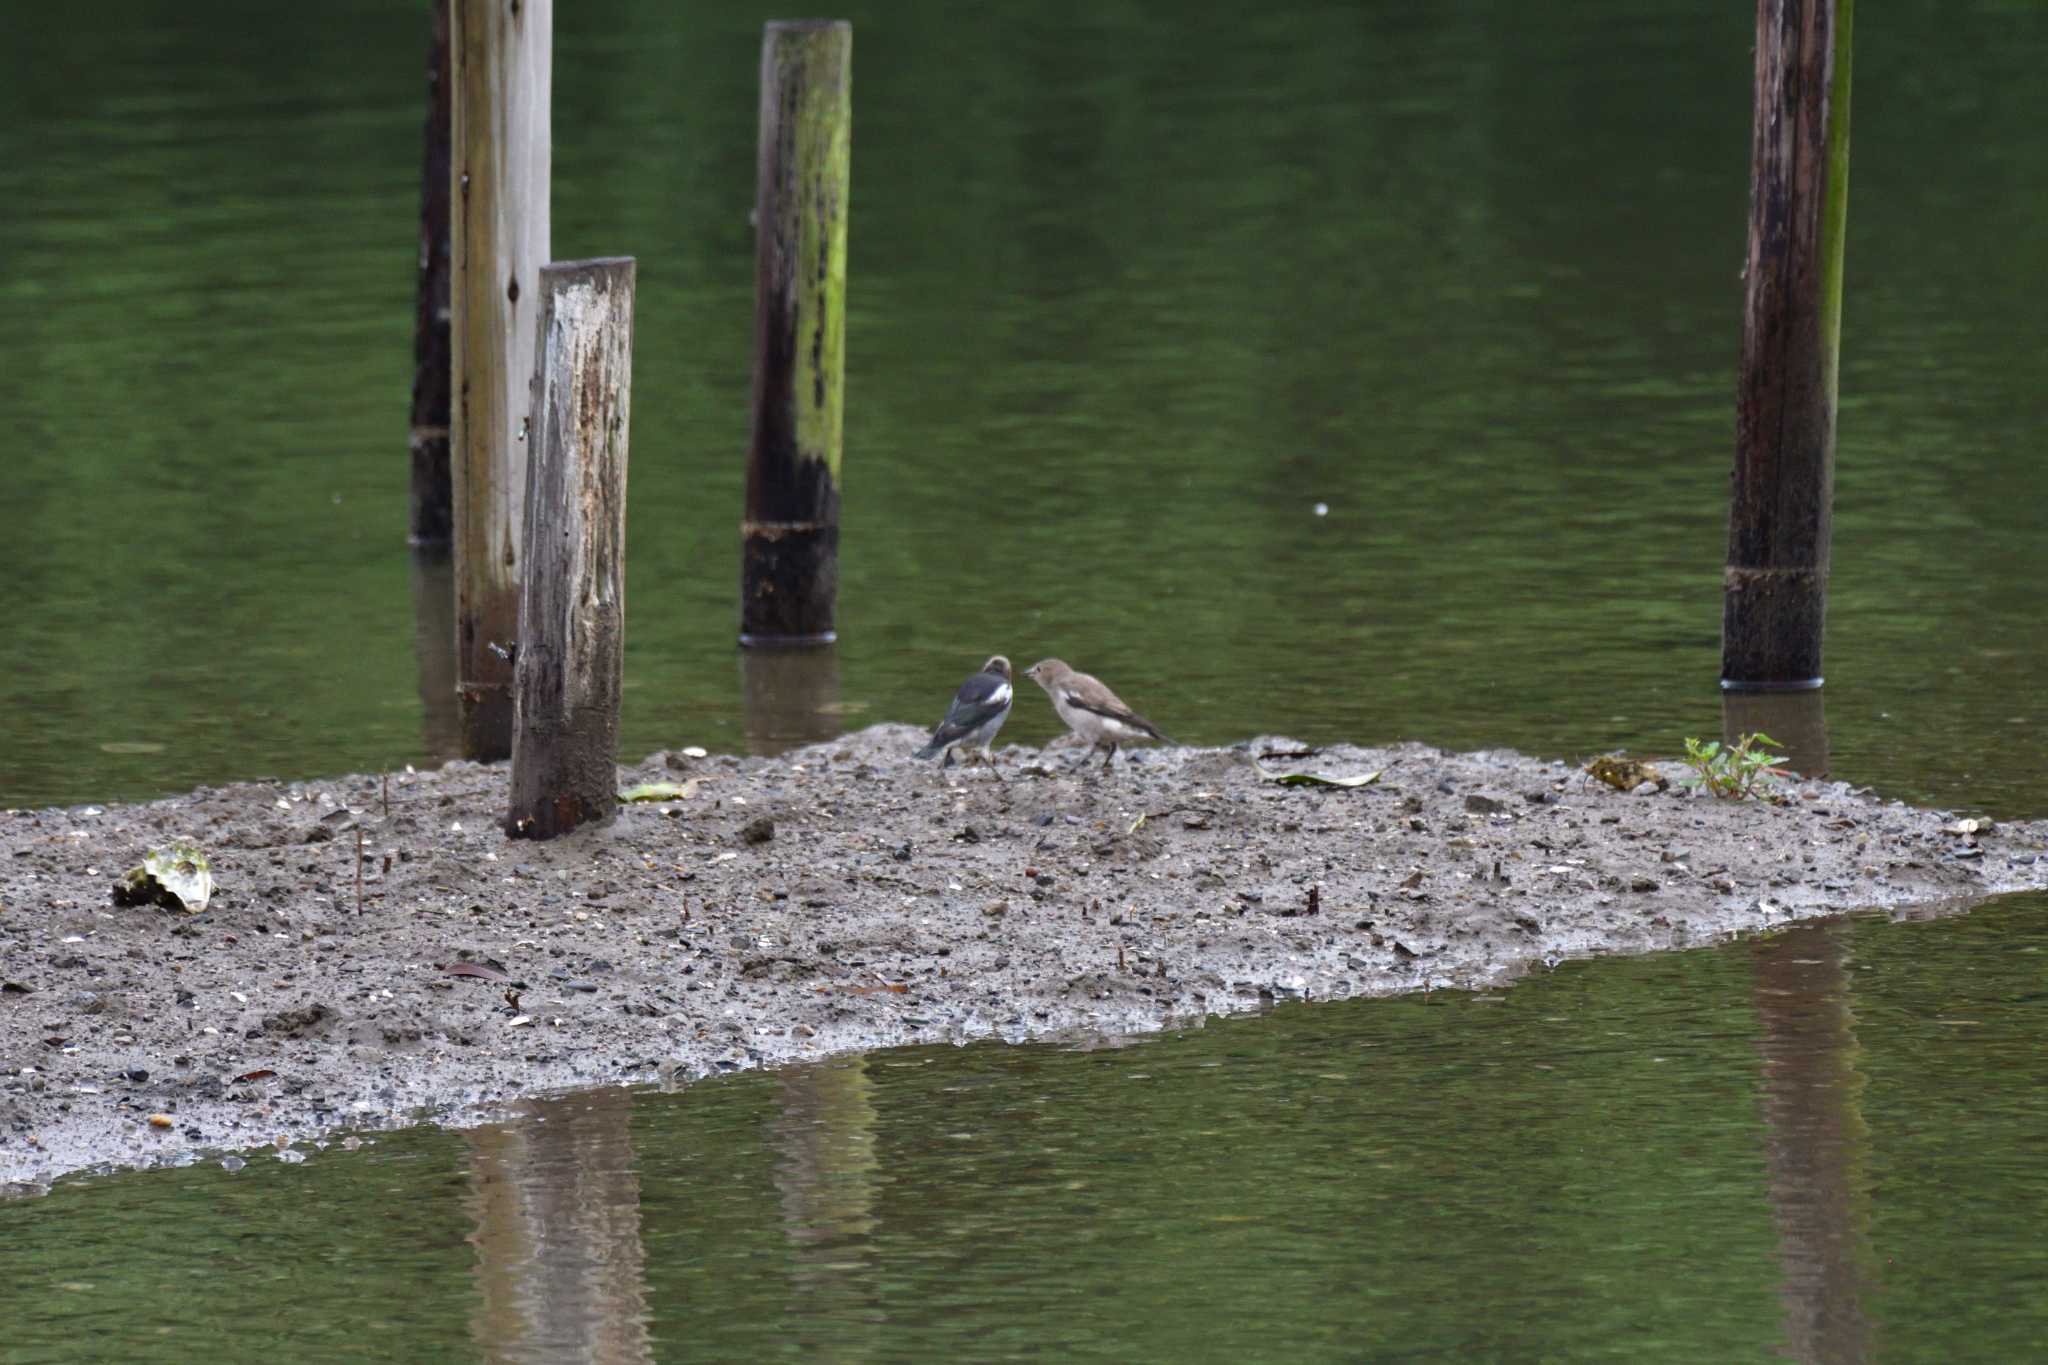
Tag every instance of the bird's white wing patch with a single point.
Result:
(1001, 696)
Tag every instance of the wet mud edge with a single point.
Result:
(841, 897)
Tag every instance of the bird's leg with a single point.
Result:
(949, 761)
(1109, 757)
(988, 757)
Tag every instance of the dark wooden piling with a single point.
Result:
(1780, 516)
(500, 61)
(789, 558)
(430, 492)
(572, 604)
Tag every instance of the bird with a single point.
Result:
(1090, 709)
(978, 711)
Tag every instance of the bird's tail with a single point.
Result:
(931, 750)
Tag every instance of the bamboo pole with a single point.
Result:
(1780, 517)
(430, 490)
(502, 54)
(572, 605)
(789, 560)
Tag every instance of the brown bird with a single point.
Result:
(1091, 710)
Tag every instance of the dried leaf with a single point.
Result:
(1319, 779)
(476, 969)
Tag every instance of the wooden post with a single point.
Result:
(430, 492)
(501, 74)
(1780, 515)
(789, 558)
(572, 607)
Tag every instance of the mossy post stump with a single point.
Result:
(789, 558)
(431, 513)
(1780, 516)
(572, 604)
(500, 67)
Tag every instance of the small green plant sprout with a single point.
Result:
(1744, 768)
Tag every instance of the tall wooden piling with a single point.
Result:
(500, 65)
(1780, 517)
(789, 559)
(572, 604)
(431, 513)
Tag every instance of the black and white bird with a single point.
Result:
(1090, 709)
(978, 711)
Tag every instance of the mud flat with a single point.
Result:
(842, 896)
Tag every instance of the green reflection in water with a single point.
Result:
(1823, 1140)
(1131, 290)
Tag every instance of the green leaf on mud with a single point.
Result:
(662, 791)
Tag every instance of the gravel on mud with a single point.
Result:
(838, 897)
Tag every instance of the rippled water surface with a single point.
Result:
(1824, 1142)
(1133, 289)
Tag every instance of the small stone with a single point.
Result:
(757, 831)
(160, 1121)
(1642, 884)
(1484, 805)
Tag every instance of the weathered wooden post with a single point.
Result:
(789, 559)
(572, 605)
(430, 492)
(503, 50)
(1780, 515)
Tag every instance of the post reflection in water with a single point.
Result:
(792, 697)
(433, 635)
(1815, 1142)
(827, 1178)
(560, 1265)
(1797, 720)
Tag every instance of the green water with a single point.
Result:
(1824, 1142)
(1132, 288)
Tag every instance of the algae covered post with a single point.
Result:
(502, 55)
(429, 444)
(572, 606)
(1780, 515)
(789, 557)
